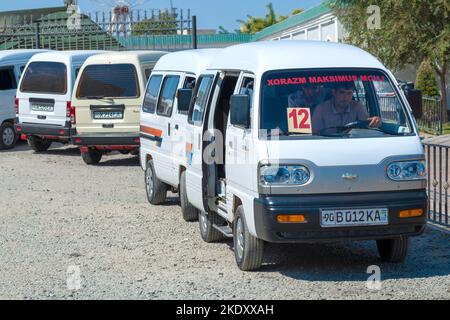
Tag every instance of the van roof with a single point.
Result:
(64, 56)
(7, 55)
(193, 61)
(259, 57)
(126, 57)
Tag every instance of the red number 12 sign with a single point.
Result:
(299, 120)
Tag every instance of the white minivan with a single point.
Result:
(44, 97)
(12, 64)
(107, 101)
(163, 124)
(299, 141)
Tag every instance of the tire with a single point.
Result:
(8, 136)
(393, 250)
(156, 189)
(190, 213)
(91, 157)
(124, 152)
(207, 231)
(248, 250)
(38, 144)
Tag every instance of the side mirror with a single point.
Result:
(240, 110)
(184, 99)
(414, 98)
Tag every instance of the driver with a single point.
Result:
(341, 109)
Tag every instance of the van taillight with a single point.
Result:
(16, 104)
(71, 112)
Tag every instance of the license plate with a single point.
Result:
(42, 107)
(106, 115)
(354, 217)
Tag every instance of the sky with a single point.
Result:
(210, 14)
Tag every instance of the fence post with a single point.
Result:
(194, 32)
(38, 36)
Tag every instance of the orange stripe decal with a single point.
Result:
(152, 131)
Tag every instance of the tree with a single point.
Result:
(164, 24)
(410, 31)
(256, 24)
(426, 80)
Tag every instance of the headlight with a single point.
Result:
(406, 170)
(284, 175)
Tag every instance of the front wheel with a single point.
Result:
(393, 250)
(206, 222)
(38, 144)
(248, 250)
(8, 136)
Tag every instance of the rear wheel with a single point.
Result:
(248, 250)
(190, 213)
(38, 144)
(156, 189)
(393, 250)
(8, 136)
(92, 156)
(206, 222)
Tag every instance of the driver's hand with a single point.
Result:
(374, 122)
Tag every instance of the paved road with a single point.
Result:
(59, 215)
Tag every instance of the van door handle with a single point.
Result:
(168, 129)
(176, 127)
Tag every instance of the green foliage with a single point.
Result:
(255, 24)
(164, 24)
(426, 80)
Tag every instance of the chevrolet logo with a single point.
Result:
(349, 176)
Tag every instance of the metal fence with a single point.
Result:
(67, 30)
(437, 157)
(431, 120)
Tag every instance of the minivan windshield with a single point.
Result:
(108, 81)
(331, 103)
(45, 77)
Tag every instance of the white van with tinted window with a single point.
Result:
(43, 97)
(164, 124)
(107, 101)
(12, 64)
(298, 141)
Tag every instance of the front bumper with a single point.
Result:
(106, 139)
(44, 130)
(267, 207)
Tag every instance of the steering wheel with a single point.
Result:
(358, 124)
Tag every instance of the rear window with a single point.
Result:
(45, 77)
(108, 80)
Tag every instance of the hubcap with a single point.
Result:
(8, 136)
(149, 181)
(203, 222)
(239, 238)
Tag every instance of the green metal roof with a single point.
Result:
(297, 19)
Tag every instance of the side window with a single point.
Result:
(77, 71)
(7, 79)
(151, 95)
(189, 83)
(198, 105)
(148, 73)
(167, 96)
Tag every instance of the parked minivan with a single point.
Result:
(12, 64)
(310, 151)
(44, 94)
(107, 102)
(164, 124)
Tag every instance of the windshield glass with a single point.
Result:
(340, 103)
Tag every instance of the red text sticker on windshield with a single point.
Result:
(299, 120)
